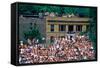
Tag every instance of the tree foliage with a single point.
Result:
(33, 33)
(93, 26)
(35, 9)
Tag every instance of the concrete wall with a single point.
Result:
(24, 25)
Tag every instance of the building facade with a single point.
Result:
(62, 26)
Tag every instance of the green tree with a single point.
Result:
(33, 33)
(93, 26)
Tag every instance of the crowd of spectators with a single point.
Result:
(62, 49)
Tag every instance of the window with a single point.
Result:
(52, 39)
(70, 28)
(79, 28)
(61, 36)
(62, 27)
(52, 27)
(87, 27)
